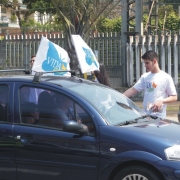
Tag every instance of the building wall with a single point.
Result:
(9, 27)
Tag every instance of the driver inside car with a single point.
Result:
(64, 106)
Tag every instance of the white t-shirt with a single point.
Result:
(156, 87)
(33, 72)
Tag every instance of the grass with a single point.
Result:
(169, 108)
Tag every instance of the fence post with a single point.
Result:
(26, 52)
(128, 63)
(131, 64)
(143, 51)
(149, 42)
(137, 58)
(155, 44)
(175, 60)
(169, 54)
(162, 53)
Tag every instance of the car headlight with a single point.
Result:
(173, 153)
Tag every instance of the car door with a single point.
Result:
(7, 151)
(46, 152)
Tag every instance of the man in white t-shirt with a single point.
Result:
(158, 86)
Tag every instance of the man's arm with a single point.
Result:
(158, 104)
(169, 99)
(130, 92)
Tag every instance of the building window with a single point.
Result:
(3, 10)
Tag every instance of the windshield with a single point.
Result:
(114, 106)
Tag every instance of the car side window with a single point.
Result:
(51, 110)
(3, 102)
(29, 104)
(85, 119)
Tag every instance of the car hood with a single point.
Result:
(150, 136)
(159, 128)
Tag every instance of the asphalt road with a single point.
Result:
(172, 109)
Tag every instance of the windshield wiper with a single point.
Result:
(135, 120)
(142, 117)
(153, 117)
(126, 123)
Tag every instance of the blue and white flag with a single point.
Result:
(87, 59)
(51, 57)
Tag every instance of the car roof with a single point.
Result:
(59, 80)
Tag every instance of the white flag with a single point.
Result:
(51, 57)
(87, 59)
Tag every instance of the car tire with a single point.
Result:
(136, 172)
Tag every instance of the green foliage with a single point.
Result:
(172, 23)
(13, 18)
(31, 26)
(2, 67)
(28, 26)
(82, 16)
(161, 11)
(109, 25)
(40, 5)
(174, 3)
(2, 38)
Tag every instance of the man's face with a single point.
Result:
(150, 65)
(32, 61)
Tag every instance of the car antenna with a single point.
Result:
(37, 76)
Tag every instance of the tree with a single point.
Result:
(174, 3)
(33, 6)
(40, 7)
(15, 6)
(109, 25)
(80, 17)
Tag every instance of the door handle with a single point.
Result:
(25, 138)
(18, 137)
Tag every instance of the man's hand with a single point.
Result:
(156, 107)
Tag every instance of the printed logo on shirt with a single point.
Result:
(150, 86)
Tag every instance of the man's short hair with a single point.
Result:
(150, 55)
(33, 56)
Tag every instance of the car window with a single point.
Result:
(29, 104)
(85, 119)
(4, 102)
(50, 109)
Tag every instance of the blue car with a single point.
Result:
(69, 128)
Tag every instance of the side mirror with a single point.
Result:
(74, 127)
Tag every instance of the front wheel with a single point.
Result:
(136, 172)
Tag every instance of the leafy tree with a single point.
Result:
(15, 6)
(172, 22)
(80, 17)
(109, 25)
(26, 24)
(41, 6)
(169, 21)
(174, 3)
